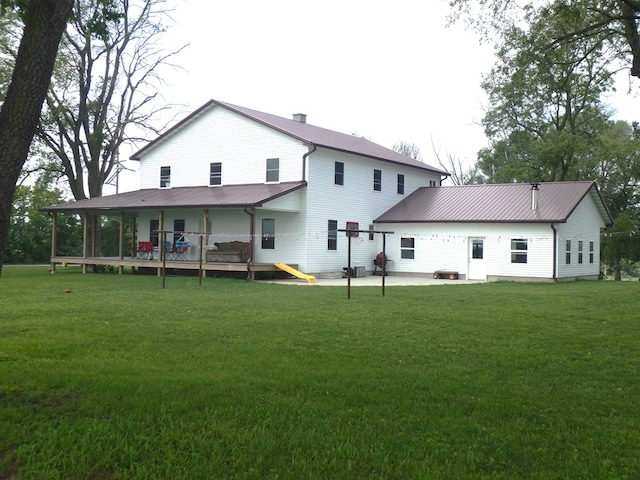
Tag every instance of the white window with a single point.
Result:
(519, 247)
(401, 184)
(165, 177)
(407, 247)
(273, 170)
(338, 173)
(215, 174)
(377, 180)
(268, 233)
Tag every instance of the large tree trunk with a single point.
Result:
(45, 22)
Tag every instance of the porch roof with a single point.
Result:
(228, 196)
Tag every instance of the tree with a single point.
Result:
(544, 105)
(30, 234)
(611, 23)
(408, 149)
(44, 24)
(616, 166)
(103, 90)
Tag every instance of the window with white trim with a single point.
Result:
(273, 170)
(519, 250)
(215, 174)
(377, 180)
(268, 233)
(165, 177)
(338, 175)
(591, 250)
(579, 251)
(332, 235)
(407, 248)
(567, 255)
(401, 184)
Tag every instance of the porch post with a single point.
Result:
(252, 234)
(54, 240)
(85, 232)
(205, 230)
(121, 243)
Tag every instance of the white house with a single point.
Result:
(500, 232)
(281, 189)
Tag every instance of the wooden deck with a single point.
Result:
(169, 264)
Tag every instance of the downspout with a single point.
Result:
(252, 228)
(304, 161)
(555, 252)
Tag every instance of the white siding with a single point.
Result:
(444, 246)
(584, 226)
(219, 135)
(355, 201)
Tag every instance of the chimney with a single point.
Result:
(534, 196)
(300, 117)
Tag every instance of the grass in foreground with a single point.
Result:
(124, 379)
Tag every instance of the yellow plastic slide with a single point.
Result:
(295, 273)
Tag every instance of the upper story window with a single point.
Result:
(339, 173)
(401, 184)
(332, 235)
(215, 174)
(273, 170)
(519, 248)
(568, 253)
(432, 183)
(377, 180)
(165, 177)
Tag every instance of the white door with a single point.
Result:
(477, 266)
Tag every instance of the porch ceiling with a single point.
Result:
(229, 196)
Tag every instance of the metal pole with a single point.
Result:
(200, 265)
(164, 258)
(384, 259)
(349, 268)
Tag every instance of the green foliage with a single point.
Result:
(29, 240)
(545, 106)
(122, 379)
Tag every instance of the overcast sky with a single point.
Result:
(389, 71)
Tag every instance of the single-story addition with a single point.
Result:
(545, 231)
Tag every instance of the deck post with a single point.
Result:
(121, 242)
(54, 239)
(85, 232)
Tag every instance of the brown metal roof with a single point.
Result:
(306, 133)
(494, 203)
(253, 195)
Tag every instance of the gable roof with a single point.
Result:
(494, 203)
(254, 195)
(306, 133)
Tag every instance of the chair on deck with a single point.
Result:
(145, 250)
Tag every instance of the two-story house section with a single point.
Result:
(279, 185)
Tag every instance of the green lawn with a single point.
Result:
(122, 379)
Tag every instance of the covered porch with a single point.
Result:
(161, 248)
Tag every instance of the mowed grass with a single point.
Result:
(122, 379)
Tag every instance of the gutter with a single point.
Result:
(304, 161)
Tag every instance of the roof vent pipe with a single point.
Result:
(300, 117)
(534, 196)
